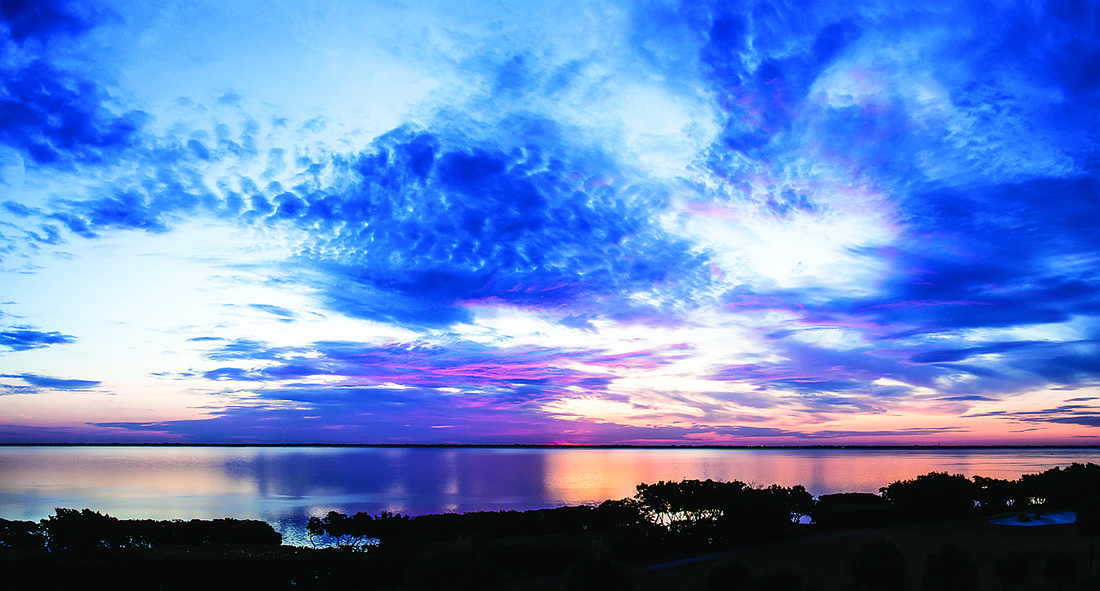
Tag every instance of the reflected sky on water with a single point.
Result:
(284, 486)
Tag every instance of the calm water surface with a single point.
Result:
(285, 486)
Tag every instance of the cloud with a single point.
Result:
(1070, 414)
(433, 222)
(518, 373)
(283, 313)
(46, 19)
(425, 223)
(25, 339)
(54, 115)
(888, 206)
(51, 383)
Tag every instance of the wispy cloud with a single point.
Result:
(23, 339)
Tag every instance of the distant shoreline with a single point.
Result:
(551, 446)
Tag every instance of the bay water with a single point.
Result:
(284, 486)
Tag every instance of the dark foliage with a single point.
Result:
(598, 572)
(732, 574)
(1062, 487)
(87, 530)
(993, 494)
(1010, 568)
(1060, 567)
(878, 565)
(23, 536)
(585, 547)
(454, 567)
(729, 508)
(932, 495)
(845, 510)
(939, 495)
(1088, 525)
(950, 568)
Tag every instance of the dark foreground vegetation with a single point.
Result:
(931, 532)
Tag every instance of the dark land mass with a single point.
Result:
(933, 532)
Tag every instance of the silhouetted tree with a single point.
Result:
(801, 503)
(686, 503)
(936, 494)
(994, 494)
(1063, 487)
(355, 532)
(1060, 567)
(72, 529)
(950, 568)
(1010, 568)
(618, 515)
(22, 535)
(878, 565)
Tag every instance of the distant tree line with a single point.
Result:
(684, 509)
(585, 545)
(939, 495)
(87, 530)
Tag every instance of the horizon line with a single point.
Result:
(549, 445)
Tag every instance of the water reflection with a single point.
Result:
(285, 486)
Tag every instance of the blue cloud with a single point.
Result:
(283, 313)
(53, 115)
(52, 383)
(24, 339)
(432, 221)
(43, 19)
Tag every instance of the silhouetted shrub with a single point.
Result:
(597, 572)
(1088, 525)
(1060, 567)
(950, 568)
(878, 565)
(732, 574)
(22, 536)
(1010, 568)
(453, 567)
(853, 510)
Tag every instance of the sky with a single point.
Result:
(582, 222)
